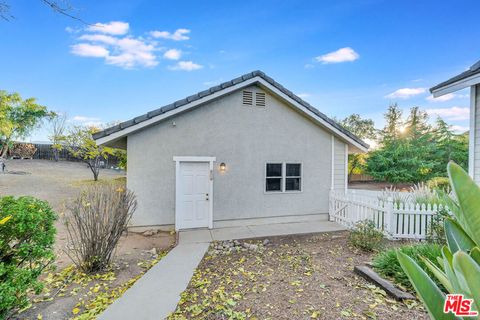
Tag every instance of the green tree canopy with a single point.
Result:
(18, 118)
(80, 144)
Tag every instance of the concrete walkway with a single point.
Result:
(157, 293)
(258, 231)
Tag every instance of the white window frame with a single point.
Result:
(283, 177)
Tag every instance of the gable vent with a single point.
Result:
(260, 100)
(248, 98)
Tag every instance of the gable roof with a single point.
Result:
(255, 77)
(460, 81)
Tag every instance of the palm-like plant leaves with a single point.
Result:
(468, 275)
(428, 291)
(457, 239)
(468, 195)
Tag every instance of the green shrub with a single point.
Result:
(27, 235)
(365, 236)
(439, 183)
(436, 228)
(387, 265)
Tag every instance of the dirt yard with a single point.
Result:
(57, 182)
(296, 277)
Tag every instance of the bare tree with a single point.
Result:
(58, 128)
(5, 11)
(62, 7)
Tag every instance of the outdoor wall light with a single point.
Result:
(223, 166)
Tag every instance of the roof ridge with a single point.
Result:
(217, 88)
(475, 66)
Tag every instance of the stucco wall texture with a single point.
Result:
(245, 138)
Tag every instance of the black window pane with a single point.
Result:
(292, 184)
(274, 184)
(293, 169)
(274, 169)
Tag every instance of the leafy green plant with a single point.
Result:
(27, 235)
(460, 262)
(386, 262)
(365, 236)
(436, 227)
(439, 183)
(95, 222)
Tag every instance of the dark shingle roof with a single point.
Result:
(212, 90)
(473, 70)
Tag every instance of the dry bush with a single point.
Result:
(23, 150)
(95, 222)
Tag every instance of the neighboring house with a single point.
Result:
(469, 78)
(245, 149)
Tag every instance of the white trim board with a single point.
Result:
(119, 134)
(178, 160)
(473, 129)
(458, 85)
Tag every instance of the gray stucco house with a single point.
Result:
(245, 151)
(466, 79)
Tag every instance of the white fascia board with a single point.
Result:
(458, 85)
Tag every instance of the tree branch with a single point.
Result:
(62, 10)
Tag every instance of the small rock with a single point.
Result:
(153, 251)
(149, 233)
(265, 242)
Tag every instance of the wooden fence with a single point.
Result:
(360, 178)
(398, 220)
(45, 152)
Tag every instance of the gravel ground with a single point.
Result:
(296, 277)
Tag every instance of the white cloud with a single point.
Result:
(172, 54)
(341, 55)
(89, 50)
(459, 129)
(112, 42)
(117, 28)
(186, 66)
(405, 93)
(178, 35)
(86, 121)
(443, 98)
(126, 52)
(131, 52)
(304, 95)
(99, 38)
(446, 97)
(453, 113)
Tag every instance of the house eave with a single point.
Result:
(451, 87)
(117, 133)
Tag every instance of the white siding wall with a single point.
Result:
(476, 138)
(339, 165)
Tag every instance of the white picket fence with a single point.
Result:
(396, 220)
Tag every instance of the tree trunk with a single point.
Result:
(55, 155)
(93, 165)
(4, 151)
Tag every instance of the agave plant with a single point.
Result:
(460, 259)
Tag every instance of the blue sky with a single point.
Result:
(341, 56)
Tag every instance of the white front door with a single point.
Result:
(193, 195)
